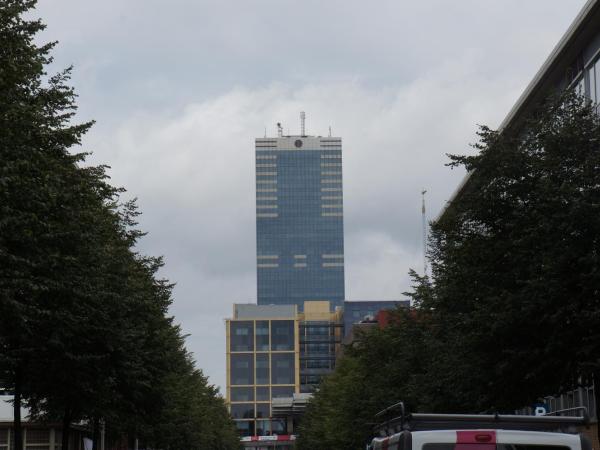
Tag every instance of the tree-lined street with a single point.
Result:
(85, 333)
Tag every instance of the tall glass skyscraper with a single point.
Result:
(299, 220)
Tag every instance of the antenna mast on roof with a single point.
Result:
(279, 129)
(329, 130)
(424, 223)
(302, 123)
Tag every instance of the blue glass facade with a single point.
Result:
(299, 220)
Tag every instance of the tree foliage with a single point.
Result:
(512, 310)
(381, 366)
(516, 258)
(85, 333)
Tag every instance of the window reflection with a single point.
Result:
(263, 410)
(242, 394)
(242, 369)
(283, 391)
(263, 428)
(278, 426)
(245, 427)
(242, 410)
(262, 394)
(242, 336)
(262, 368)
(282, 368)
(262, 336)
(282, 335)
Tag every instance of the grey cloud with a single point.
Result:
(181, 88)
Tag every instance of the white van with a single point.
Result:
(479, 432)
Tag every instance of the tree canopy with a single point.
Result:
(85, 332)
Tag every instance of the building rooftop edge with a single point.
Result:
(296, 136)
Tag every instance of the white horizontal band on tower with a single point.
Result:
(335, 264)
(267, 266)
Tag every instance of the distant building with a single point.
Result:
(263, 357)
(357, 311)
(321, 333)
(299, 220)
(275, 352)
(42, 436)
(279, 350)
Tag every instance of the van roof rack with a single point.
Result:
(396, 419)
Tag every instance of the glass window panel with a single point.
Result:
(283, 391)
(242, 410)
(263, 410)
(592, 84)
(245, 427)
(580, 87)
(283, 368)
(278, 426)
(262, 394)
(242, 369)
(262, 336)
(263, 428)
(597, 80)
(38, 436)
(262, 368)
(241, 336)
(242, 394)
(282, 335)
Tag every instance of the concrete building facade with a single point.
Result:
(357, 311)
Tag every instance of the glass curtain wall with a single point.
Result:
(319, 343)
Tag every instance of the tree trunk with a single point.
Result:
(17, 427)
(95, 433)
(596, 381)
(66, 429)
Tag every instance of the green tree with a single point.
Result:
(194, 416)
(516, 260)
(512, 311)
(36, 170)
(84, 327)
(382, 367)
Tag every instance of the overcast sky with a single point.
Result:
(181, 88)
